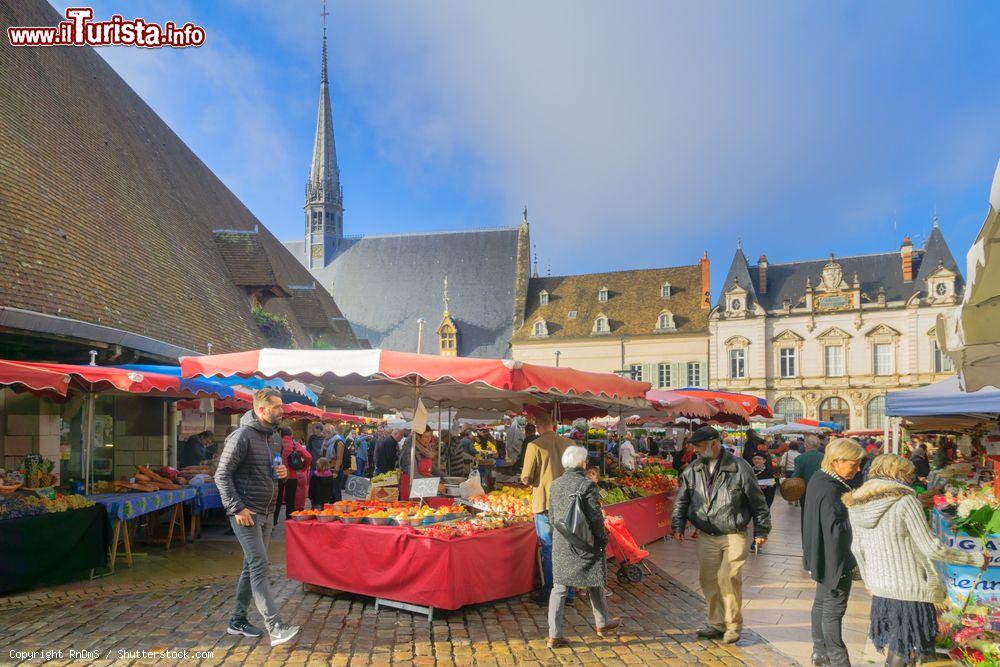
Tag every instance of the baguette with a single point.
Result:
(153, 477)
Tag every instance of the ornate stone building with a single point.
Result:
(825, 339)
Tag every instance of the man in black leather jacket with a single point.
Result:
(719, 494)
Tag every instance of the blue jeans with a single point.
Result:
(362, 464)
(544, 530)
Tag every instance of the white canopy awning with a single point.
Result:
(971, 335)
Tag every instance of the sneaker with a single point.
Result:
(731, 636)
(710, 632)
(244, 628)
(282, 633)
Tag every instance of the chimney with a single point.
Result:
(762, 273)
(706, 288)
(906, 255)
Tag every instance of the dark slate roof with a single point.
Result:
(107, 217)
(633, 307)
(879, 270)
(936, 251)
(739, 273)
(383, 284)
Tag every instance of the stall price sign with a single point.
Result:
(425, 487)
(358, 487)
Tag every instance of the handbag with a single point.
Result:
(573, 525)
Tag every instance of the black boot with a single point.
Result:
(819, 660)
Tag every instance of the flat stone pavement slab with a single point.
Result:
(660, 618)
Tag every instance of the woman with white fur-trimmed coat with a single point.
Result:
(896, 550)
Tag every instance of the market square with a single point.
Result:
(729, 395)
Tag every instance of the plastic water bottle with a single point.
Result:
(274, 466)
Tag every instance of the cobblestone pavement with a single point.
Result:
(660, 618)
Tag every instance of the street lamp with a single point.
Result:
(557, 358)
(420, 335)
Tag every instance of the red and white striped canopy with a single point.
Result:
(388, 378)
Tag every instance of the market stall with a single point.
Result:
(401, 564)
(966, 515)
(41, 546)
(124, 509)
(456, 564)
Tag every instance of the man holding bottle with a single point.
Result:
(247, 477)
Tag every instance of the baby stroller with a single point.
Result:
(623, 549)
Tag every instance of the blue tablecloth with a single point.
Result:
(208, 497)
(131, 505)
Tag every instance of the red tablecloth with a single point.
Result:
(648, 519)
(399, 564)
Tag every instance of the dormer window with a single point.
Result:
(601, 325)
(571, 315)
(540, 329)
(665, 290)
(543, 298)
(602, 296)
(665, 321)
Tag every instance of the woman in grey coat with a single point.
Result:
(573, 567)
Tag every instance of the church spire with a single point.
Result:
(324, 197)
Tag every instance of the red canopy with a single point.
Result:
(341, 417)
(57, 380)
(751, 405)
(669, 404)
(388, 378)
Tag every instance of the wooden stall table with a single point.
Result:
(126, 507)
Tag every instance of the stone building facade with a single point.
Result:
(826, 339)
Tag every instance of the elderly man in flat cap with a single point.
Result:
(719, 494)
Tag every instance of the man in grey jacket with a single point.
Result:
(248, 481)
(719, 494)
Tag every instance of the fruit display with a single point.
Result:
(37, 472)
(60, 503)
(467, 527)
(386, 478)
(15, 507)
(650, 479)
(513, 500)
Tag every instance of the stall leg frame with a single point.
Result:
(405, 606)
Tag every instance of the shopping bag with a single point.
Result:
(472, 487)
(619, 535)
(575, 528)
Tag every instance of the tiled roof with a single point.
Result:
(384, 284)
(633, 306)
(244, 255)
(106, 216)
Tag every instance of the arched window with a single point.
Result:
(835, 409)
(665, 321)
(789, 408)
(875, 413)
(601, 325)
(540, 329)
(543, 298)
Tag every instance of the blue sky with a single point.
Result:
(637, 134)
